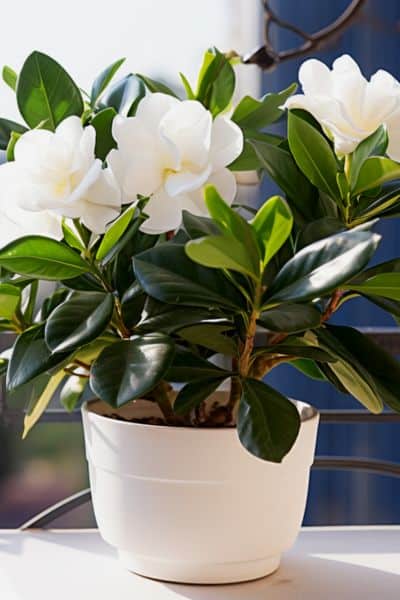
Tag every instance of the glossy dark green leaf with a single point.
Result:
(196, 226)
(102, 122)
(268, 423)
(9, 77)
(124, 95)
(323, 266)
(193, 393)
(155, 86)
(31, 357)
(255, 114)
(319, 229)
(374, 172)
(309, 368)
(280, 166)
(46, 94)
(167, 318)
(272, 224)
(51, 302)
(131, 368)
(132, 304)
(313, 154)
(348, 370)
(301, 348)
(211, 336)
(374, 144)
(381, 366)
(290, 318)
(42, 258)
(102, 81)
(6, 129)
(187, 366)
(386, 204)
(84, 283)
(216, 82)
(167, 274)
(10, 297)
(80, 319)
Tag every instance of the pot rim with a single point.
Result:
(307, 413)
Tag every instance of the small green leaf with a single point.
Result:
(10, 297)
(374, 172)
(193, 393)
(211, 336)
(42, 258)
(188, 89)
(268, 423)
(115, 232)
(376, 143)
(309, 368)
(272, 224)
(156, 86)
(80, 319)
(14, 137)
(102, 122)
(385, 284)
(46, 94)
(72, 237)
(124, 95)
(221, 252)
(313, 155)
(255, 114)
(131, 368)
(6, 129)
(10, 77)
(102, 81)
(216, 82)
(291, 318)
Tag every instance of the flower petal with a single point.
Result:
(225, 182)
(226, 142)
(164, 212)
(153, 107)
(185, 181)
(315, 77)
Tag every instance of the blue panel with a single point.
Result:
(374, 42)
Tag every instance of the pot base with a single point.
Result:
(199, 573)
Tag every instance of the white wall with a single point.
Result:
(158, 37)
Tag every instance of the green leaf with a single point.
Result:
(41, 404)
(385, 284)
(46, 94)
(256, 114)
(167, 274)
(196, 226)
(376, 143)
(102, 81)
(72, 392)
(291, 318)
(322, 266)
(6, 129)
(309, 368)
(102, 122)
(10, 77)
(188, 88)
(30, 358)
(132, 304)
(272, 224)
(125, 95)
(187, 366)
(234, 225)
(193, 393)
(42, 258)
(131, 368)
(167, 318)
(381, 366)
(115, 232)
(350, 372)
(280, 166)
(80, 319)
(211, 336)
(10, 297)
(319, 229)
(14, 137)
(71, 236)
(216, 82)
(268, 423)
(156, 86)
(374, 172)
(313, 155)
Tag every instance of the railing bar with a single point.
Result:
(57, 510)
(362, 464)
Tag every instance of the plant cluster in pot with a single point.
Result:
(125, 198)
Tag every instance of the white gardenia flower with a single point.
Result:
(55, 175)
(348, 106)
(169, 151)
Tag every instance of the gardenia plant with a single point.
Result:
(125, 198)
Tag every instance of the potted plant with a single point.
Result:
(125, 198)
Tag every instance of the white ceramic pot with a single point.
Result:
(192, 505)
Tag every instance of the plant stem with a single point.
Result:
(161, 395)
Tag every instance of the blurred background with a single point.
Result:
(160, 39)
